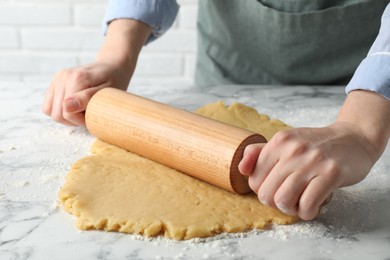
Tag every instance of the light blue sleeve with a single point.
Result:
(373, 72)
(158, 14)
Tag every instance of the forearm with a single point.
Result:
(368, 114)
(123, 43)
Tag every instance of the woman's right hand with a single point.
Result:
(71, 89)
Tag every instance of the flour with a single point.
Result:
(332, 222)
(303, 117)
(337, 220)
(301, 230)
(43, 169)
(160, 239)
(48, 179)
(35, 162)
(20, 184)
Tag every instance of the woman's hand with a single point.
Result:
(71, 89)
(299, 168)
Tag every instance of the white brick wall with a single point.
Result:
(40, 37)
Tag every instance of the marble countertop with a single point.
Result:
(36, 153)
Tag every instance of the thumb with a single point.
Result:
(249, 159)
(78, 101)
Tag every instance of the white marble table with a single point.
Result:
(35, 155)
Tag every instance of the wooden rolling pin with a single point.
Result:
(198, 146)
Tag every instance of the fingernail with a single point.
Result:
(71, 105)
(264, 202)
(282, 208)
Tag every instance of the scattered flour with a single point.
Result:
(301, 230)
(46, 179)
(21, 184)
(48, 171)
(35, 162)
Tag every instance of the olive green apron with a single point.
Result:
(284, 41)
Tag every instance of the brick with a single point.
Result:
(9, 38)
(41, 37)
(174, 40)
(89, 15)
(62, 39)
(190, 65)
(45, 77)
(51, 1)
(21, 63)
(57, 1)
(150, 65)
(35, 14)
(8, 77)
(86, 58)
(188, 17)
(187, 2)
(160, 65)
(138, 80)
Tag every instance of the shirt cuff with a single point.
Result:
(373, 74)
(158, 14)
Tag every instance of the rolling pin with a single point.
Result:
(195, 145)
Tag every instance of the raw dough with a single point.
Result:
(115, 190)
(243, 116)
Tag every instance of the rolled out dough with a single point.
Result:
(115, 190)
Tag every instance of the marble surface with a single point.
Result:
(36, 153)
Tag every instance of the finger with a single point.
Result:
(249, 159)
(74, 102)
(78, 101)
(76, 81)
(75, 105)
(315, 194)
(71, 105)
(274, 180)
(48, 100)
(77, 119)
(267, 159)
(287, 196)
(50, 93)
(57, 110)
(90, 76)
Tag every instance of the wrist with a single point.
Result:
(123, 43)
(365, 114)
(350, 131)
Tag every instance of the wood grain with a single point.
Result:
(198, 146)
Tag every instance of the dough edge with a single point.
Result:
(75, 203)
